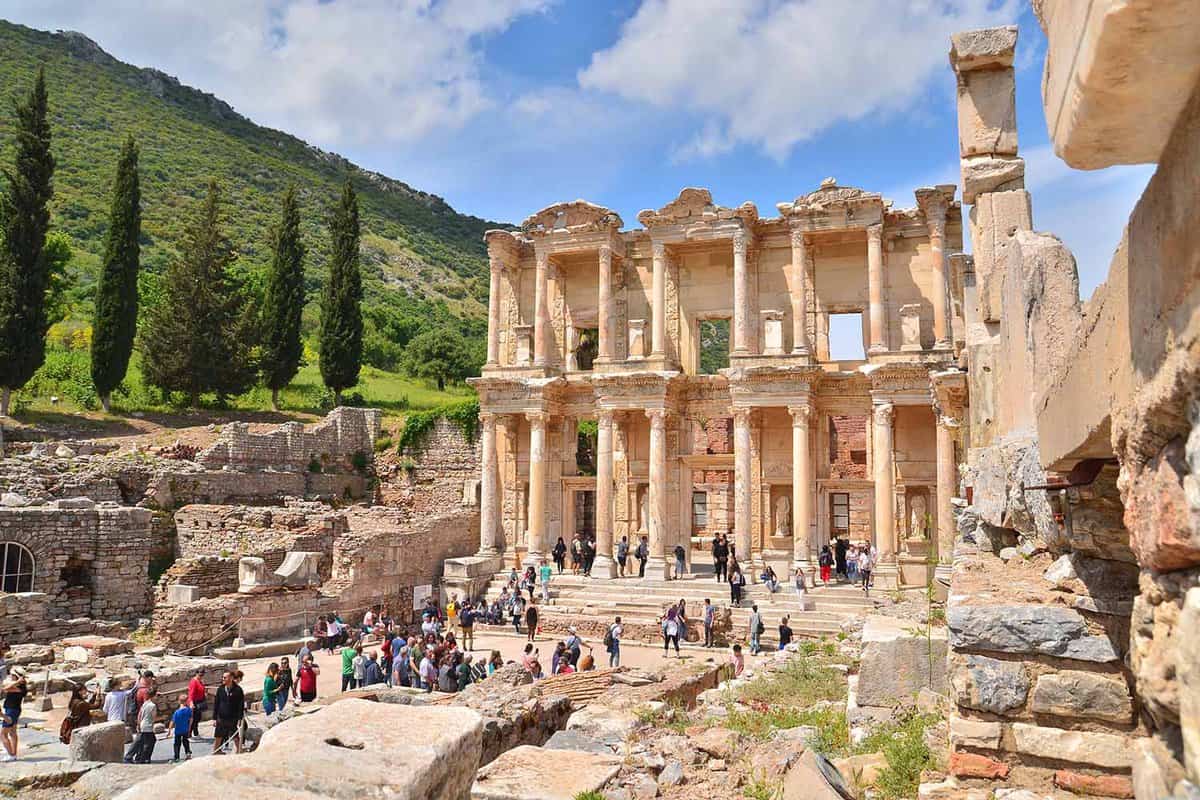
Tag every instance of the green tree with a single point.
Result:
(200, 337)
(24, 266)
(282, 349)
(341, 337)
(115, 322)
(439, 355)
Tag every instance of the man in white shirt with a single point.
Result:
(116, 701)
(143, 746)
(614, 643)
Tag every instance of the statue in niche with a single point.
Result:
(783, 516)
(644, 511)
(585, 352)
(917, 523)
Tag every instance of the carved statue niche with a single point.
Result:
(918, 517)
(783, 516)
(644, 509)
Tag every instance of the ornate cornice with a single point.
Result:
(577, 216)
(829, 197)
(696, 205)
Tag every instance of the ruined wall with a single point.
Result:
(90, 560)
(217, 530)
(442, 472)
(28, 618)
(333, 443)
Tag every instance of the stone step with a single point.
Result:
(801, 624)
(653, 608)
(776, 601)
(846, 595)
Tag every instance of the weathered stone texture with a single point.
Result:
(333, 443)
(1083, 695)
(530, 773)
(987, 121)
(989, 684)
(898, 661)
(1081, 747)
(1028, 629)
(104, 741)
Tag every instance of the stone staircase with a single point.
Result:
(641, 601)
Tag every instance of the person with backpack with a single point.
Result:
(736, 583)
(643, 554)
(466, 621)
(612, 643)
(574, 644)
(671, 627)
(531, 621)
(785, 633)
(756, 630)
(825, 560)
(680, 561)
(622, 555)
(710, 615)
(560, 554)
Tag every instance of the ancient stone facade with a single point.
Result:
(1073, 665)
(589, 322)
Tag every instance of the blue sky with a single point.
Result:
(505, 106)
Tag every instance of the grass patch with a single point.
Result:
(759, 788)
(903, 745)
(798, 685)
(590, 794)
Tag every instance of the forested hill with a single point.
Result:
(422, 259)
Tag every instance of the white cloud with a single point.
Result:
(349, 73)
(774, 73)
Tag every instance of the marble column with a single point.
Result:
(537, 486)
(541, 309)
(656, 566)
(604, 566)
(741, 489)
(802, 484)
(493, 330)
(741, 295)
(885, 480)
(604, 349)
(658, 324)
(875, 308)
(490, 534)
(947, 479)
(799, 294)
(936, 217)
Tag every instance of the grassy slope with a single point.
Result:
(415, 245)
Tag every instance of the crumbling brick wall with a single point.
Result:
(219, 530)
(442, 472)
(334, 443)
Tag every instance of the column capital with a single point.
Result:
(658, 417)
(659, 248)
(875, 232)
(605, 417)
(884, 414)
(488, 419)
(741, 240)
(742, 415)
(538, 419)
(947, 421)
(801, 415)
(799, 238)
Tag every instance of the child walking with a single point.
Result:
(181, 723)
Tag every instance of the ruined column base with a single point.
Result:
(605, 567)
(658, 568)
(469, 576)
(886, 577)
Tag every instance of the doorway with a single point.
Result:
(585, 514)
(839, 514)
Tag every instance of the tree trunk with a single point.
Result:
(5, 397)
(274, 399)
(106, 403)
(337, 397)
(195, 400)
(441, 384)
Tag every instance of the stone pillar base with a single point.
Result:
(658, 568)
(886, 577)
(915, 571)
(469, 576)
(605, 567)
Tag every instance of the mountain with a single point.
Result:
(422, 260)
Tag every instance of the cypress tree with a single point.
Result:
(200, 336)
(117, 295)
(282, 349)
(24, 267)
(341, 318)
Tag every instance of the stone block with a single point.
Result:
(603, 724)
(179, 593)
(1155, 769)
(1108, 750)
(1188, 669)
(340, 752)
(898, 661)
(1027, 629)
(1084, 695)
(20, 775)
(1102, 785)
(987, 113)
(973, 765)
(300, 569)
(910, 327)
(983, 174)
(103, 742)
(994, 218)
(805, 781)
(983, 48)
(527, 773)
(1096, 577)
(974, 733)
(110, 780)
(861, 770)
(252, 574)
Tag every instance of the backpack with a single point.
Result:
(608, 637)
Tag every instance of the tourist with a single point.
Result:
(825, 560)
(321, 632)
(710, 616)
(564, 668)
(400, 670)
(452, 609)
(181, 724)
(575, 645)
(385, 659)
(559, 654)
(79, 712)
(544, 573)
(270, 689)
(576, 555)
(307, 680)
(670, 628)
(866, 563)
(229, 709)
(3, 661)
(447, 679)
(495, 662)
(733, 559)
(529, 657)
(143, 745)
(680, 561)
(839, 548)
(589, 556)
(531, 621)
(428, 672)
(372, 675)
(737, 583)
(368, 623)
(429, 625)
(145, 683)
(785, 633)
(622, 555)
(560, 554)
(529, 582)
(466, 621)
(286, 681)
(116, 702)
(358, 667)
(518, 611)
(464, 674)
(512, 579)
(769, 579)
(852, 564)
(14, 688)
(720, 555)
(800, 582)
(756, 629)
(643, 553)
(612, 643)
(738, 660)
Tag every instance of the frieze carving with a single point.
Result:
(696, 205)
(829, 195)
(578, 216)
